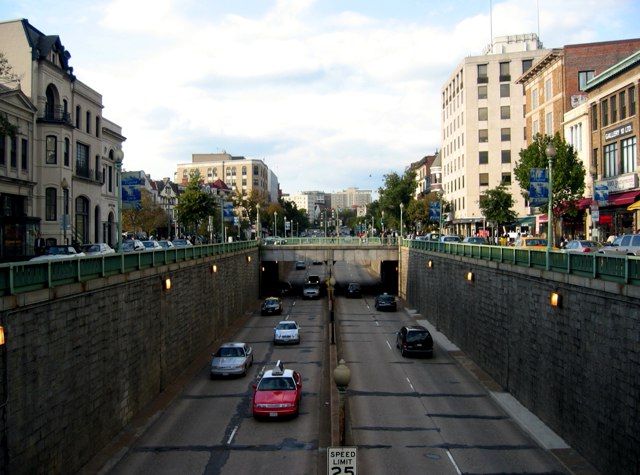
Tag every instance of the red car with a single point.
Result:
(278, 393)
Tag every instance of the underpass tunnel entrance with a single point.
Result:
(269, 278)
(389, 276)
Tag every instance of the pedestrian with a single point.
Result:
(39, 245)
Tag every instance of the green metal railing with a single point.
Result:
(19, 277)
(621, 269)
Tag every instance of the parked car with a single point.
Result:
(582, 245)
(532, 242)
(625, 245)
(63, 251)
(354, 290)
(132, 245)
(97, 249)
(181, 243)
(231, 359)
(474, 240)
(151, 245)
(278, 393)
(286, 331)
(300, 265)
(165, 244)
(386, 302)
(311, 291)
(414, 340)
(450, 238)
(271, 306)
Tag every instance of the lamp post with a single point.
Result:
(550, 151)
(401, 209)
(258, 221)
(275, 223)
(118, 157)
(342, 377)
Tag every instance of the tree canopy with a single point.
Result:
(497, 206)
(194, 205)
(396, 190)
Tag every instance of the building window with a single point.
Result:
(483, 113)
(484, 179)
(482, 92)
(67, 152)
(575, 137)
(614, 109)
(594, 117)
(483, 135)
(506, 178)
(548, 123)
(3, 150)
(244, 170)
(623, 105)
(97, 126)
(632, 101)
(13, 154)
(483, 158)
(24, 155)
(505, 134)
(506, 156)
(82, 160)
(605, 112)
(505, 112)
(52, 150)
(505, 75)
(51, 208)
(78, 112)
(526, 65)
(88, 122)
(583, 78)
(628, 152)
(505, 90)
(611, 160)
(535, 128)
(534, 98)
(547, 90)
(482, 74)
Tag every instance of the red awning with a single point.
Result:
(622, 199)
(583, 203)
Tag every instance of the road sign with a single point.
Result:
(342, 460)
(538, 187)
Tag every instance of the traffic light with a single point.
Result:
(445, 217)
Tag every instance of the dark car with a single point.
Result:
(300, 265)
(271, 306)
(414, 340)
(354, 290)
(386, 302)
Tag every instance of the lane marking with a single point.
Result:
(455, 465)
(388, 344)
(233, 433)
(411, 385)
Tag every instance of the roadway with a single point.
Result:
(405, 415)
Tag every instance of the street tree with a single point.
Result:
(568, 172)
(396, 190)
(148, 217)
(496, 206)
(194, 205)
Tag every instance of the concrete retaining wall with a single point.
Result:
(577, 367)
(80, 365)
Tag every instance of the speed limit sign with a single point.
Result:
(342, 460)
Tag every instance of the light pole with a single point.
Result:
(275, 223)
(550, 151)
(342, 377)
(258, 221)
(401, 209)
(118, 157)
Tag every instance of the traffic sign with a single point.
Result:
(342, 460)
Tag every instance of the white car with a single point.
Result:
(151, 245)
(286, 331)
(97, 249)
(233, 358)
(63, 251)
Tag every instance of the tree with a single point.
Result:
(194, 205)
(417, 213)
(397, 189)
(148, 217)
(568, 171)
(496, 206)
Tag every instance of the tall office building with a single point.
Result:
(483, 128)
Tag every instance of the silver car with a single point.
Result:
(625, 245)
(97, 249)
(286, 331)
(233, 358)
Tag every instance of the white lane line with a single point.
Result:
(455, 465)
(388, 344)
(411, 385)
(233, 433)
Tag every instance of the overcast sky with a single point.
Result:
(329, 93)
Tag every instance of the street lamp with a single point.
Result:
(401, 209)
(342, 377)
(275, 223)
(550, 151)
(118, 156)
(257, 221)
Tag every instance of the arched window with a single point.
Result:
(82, 220)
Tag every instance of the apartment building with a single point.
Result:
(350, 198)
(242, 175)
(58, 171)
(312, 201)
(483, 128)
(424, 176)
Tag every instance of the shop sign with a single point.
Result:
(619, 183)
(613, 134)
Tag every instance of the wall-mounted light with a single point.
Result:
(1, 336)
(262, 268)
(555, 299)
(166, 282)
(214, 268)
(248, 258)
(470, 276)
(430, 264)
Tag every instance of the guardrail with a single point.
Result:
(19, 277)
(621, 269)
(332, 241)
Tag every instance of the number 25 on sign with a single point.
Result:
(342, 460)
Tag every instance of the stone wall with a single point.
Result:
(577, 367)
(82, 361)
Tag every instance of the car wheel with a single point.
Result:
(403, 352)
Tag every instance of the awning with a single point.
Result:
(583, 203)
(634, 207)
(621, 199)
(525, 221)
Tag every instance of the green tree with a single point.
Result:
(194, 205)
(496, 206)
(417, 213)
(568, 171)
(397, 189)
(148, 217)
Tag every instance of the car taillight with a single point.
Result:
(586, 249)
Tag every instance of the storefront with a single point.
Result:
(613, 215)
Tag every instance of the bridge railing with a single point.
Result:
(621, 269)
(18, 277)
(332, 241)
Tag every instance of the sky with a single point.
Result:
(330, 94)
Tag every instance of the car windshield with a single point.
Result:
(589, 244)
(91, 248)
(276, 384)
(535, 242)
(271, 302)
(286, 326)
(57, 250)
(415, 336)
(386, 298)
(229, 352)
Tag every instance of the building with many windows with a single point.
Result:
(59, 170)
(483, 128)
(350, 198)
